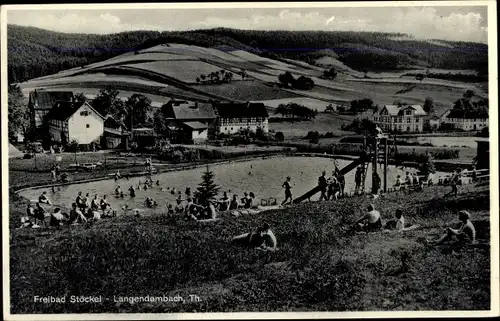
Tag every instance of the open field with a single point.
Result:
(318, 267)
(246, 91)
(322, 123)
(186, 72)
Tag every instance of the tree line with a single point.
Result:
(294, 110)
(34, 52)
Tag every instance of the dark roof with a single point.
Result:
(195, 125)
(235, 110)
(185, 110)
(468, 114)
(62, 110)
(46, 99)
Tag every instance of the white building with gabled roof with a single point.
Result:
(400, 118)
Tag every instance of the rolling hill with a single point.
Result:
(180, 64)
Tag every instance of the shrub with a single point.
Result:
(72, 146)
(279, 136)
(329, 135)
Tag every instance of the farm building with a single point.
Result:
(41, 102)
(144, 136)
(475, 119)
(233, 117)
(68, 121)
(189, 122)
(483, 153)
(115, 133)
(432, 121)
(405, 118)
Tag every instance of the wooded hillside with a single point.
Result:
(34, 52)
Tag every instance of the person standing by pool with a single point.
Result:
(224, 202)
(376, 184)
(179, 208)
(341, 181)
(455, 178)
(188, 191)
(323, 185)
(288, 190)
(132, 191)
(333, 187)
(118, 190)
(357, 178)
(79, 200)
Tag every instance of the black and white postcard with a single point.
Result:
(249, 160)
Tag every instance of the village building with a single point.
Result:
(40, 102)
(115, 133)
(68, 121)
(463, 119)
(189, 122)
(234, 117)
(400, 118)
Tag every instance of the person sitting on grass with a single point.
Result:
(40, 214)
(94, 204)
(57, 218)
(243, 200)
(398, 223)
(224, 202)
(30, 211)
(191, 209)
(234, 205)
(249, 200)
(93, 215)
(173, 191)
(369, 222)
(179, 208)
(465, 234)
(170, 210)
(263, 239)
(399, 181)
(44, 199)
(104, 203)
(76, 216)
(208, 211)
(132, 191)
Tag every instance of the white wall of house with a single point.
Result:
(85, 126)
(467, 124)
(234, 125)
(407, 123)
(200, 135)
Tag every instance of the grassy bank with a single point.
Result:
(318, 267)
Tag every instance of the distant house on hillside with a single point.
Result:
(115, 133)
(41, 102)
(404, 118)
(69, 121)
(190, 122)
(233, 117)
(474, 119)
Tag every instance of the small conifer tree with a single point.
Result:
(207, 189)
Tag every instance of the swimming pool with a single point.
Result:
(263, 177)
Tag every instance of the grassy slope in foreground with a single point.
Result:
(317, 268)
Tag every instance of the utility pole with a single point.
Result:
(374, 163)
(386, 161)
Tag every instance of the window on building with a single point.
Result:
(84, 113)
(408, 120)
(241, 120)
(408, 128)
(225, 128)
(408, 112)
(231, 128)
(88, 125)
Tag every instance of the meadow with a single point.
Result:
(248, 90)
(319, 265)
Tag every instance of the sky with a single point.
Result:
(464, 23)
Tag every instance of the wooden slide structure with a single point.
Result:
(363, 159)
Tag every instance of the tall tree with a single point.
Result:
(80, 98)
(137, 109)
(18, 117)
(207, 189)
(107, 102)
(429, 105)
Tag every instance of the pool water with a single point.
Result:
(263, 177)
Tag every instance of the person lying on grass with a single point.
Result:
(263, 239)
(369, 222)
(465, 234)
